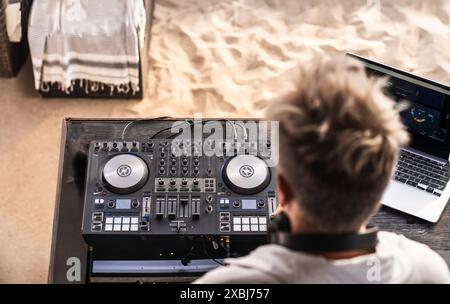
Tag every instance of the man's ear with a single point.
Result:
(285, 194)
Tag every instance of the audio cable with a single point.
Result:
(140, 120)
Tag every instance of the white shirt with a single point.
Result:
(396, 260)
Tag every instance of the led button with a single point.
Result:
(109, 220)
(116, 227)
(254, 227)
(125, 227)
(125, 220)
(254, 220)
(236, 220)
(134, 220)
(117, 220)
(108, 227)
(245, 220)
(245, 227)
(262, 220)
(237, 228)
(262, 227)
(134, 227)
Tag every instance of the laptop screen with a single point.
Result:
(427, 111)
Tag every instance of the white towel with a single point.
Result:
(92, 40)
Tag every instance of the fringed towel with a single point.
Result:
(97, 41)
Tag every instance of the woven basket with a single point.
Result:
(12, 55)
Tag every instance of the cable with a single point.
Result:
(166, 129)
(139, 120)
(189, 121)
(159, 132)
(233, 124)
(186, 259)
(193, 123)
(207, 254)
(175, 134)
(243, 129)
(234, 128)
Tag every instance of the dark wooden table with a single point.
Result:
(67, 241)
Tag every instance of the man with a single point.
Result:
(340, 137)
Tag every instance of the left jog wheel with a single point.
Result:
(125, 173)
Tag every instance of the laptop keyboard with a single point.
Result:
(422, 173)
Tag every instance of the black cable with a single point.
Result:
(207, 254)
(192, 123)
(186, 259)
(140, 120)
(175, 134)
(166, 129)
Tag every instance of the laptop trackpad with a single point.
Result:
(413, 201)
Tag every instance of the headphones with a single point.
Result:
(280, 234)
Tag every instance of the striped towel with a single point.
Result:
(91, 40)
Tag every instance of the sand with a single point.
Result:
(223, 58)
(233, 57)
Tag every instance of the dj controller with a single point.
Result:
(161, 188)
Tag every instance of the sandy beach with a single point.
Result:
(233, 57)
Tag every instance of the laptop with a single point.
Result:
(420, 184)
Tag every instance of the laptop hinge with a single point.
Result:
(432, 157)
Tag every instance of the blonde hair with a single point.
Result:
(339, 140)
